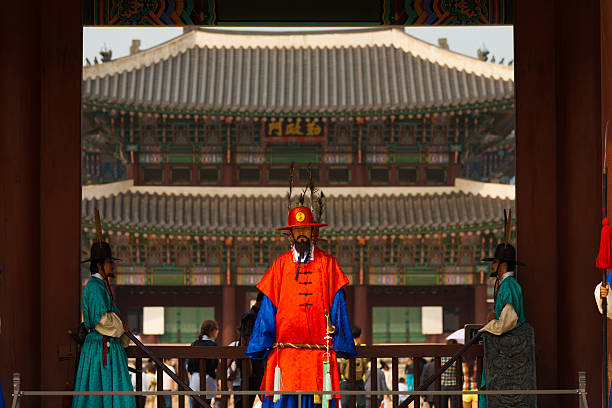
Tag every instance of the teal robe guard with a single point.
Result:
(92, 374)
(509, 292)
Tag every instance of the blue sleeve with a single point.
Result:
(264, 332)
(344, 344)
(609, 278)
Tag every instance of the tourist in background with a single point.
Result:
(150, 371)
(208, 333)
(255, 368)
(169, 384)
(449, 380)
(401, 386)
(381, 383)
(429, 369)
(344, 368)
(470, 384)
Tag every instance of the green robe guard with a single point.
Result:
(509, 314)
(99, 370)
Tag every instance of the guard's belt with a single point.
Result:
(301, 346)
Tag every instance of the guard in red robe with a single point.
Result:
(303, 299)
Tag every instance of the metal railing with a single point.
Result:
(580, 392)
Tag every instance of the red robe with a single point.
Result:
(300, 318)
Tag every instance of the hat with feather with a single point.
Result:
(505, 252)
(100, 250)
(303, 215)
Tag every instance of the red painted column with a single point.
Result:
(361, 312)
(480, 304)
(60, 192)
(20, 335)
(558, 99)
(229, 319)
(228, 175)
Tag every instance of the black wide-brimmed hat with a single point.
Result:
(504, 253)
(99, 252)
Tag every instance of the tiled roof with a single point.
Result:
(306, 77)
(261, 214)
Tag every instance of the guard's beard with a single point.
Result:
(302, 247)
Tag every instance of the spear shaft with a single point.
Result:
(604, 301)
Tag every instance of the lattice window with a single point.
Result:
(211, 133)
(180, 133)
(465, 256)
(439, 128)
(122, 248)
(149, 132)
(245, 134)
(346, 255)
(275, 247)
(404, 252)
(213, 254)
(155, 251)
(245, 255)
(341, 133)
(385, 131)
(375, 134)
(184, 250)
(446, 252)
(406, 134)
(435, 256)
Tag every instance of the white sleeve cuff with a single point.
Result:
(598, 301)
(507, 321)
(110, 325)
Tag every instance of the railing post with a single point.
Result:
(139, 374)
(373, 381)
(16, 389)
(182, 373)
(395, 379)
(582, 401)
(245, 370)
(160, 385)
(459, 382)
(225, 384)
(437, 383)
(352, 384)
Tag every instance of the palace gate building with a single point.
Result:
(186, 152)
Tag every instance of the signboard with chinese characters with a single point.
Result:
(314, 131)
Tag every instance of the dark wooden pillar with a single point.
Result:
(40, 190)
(361, 312)
(20, 202)
(558, 96)
(480, 304)
(228, 175)
(359, 176)
(229, 319)
(60, 191)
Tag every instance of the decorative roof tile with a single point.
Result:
(212, 71)
(262, 214)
